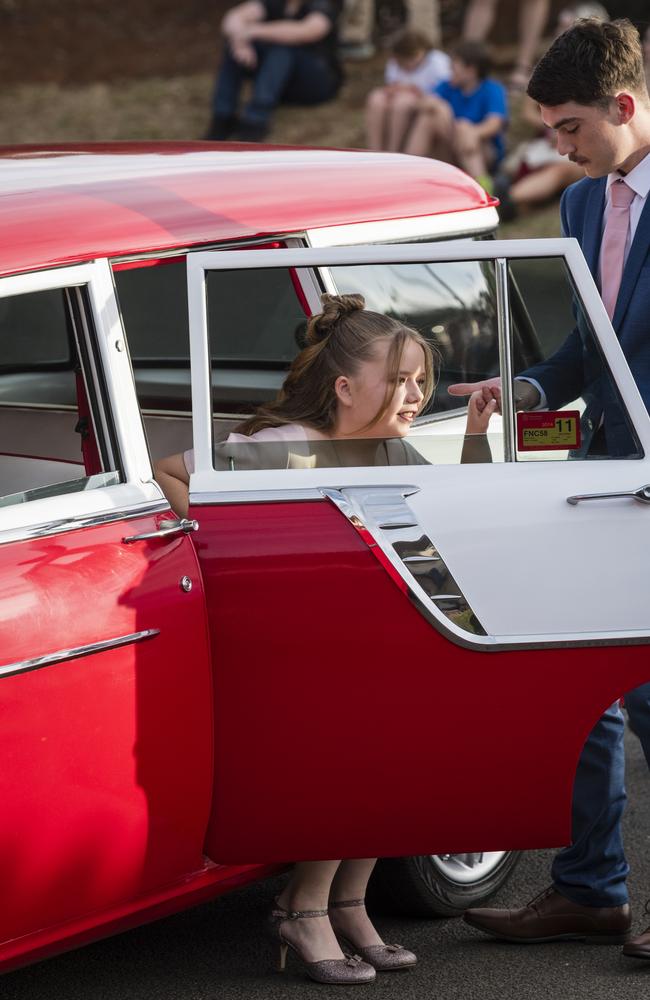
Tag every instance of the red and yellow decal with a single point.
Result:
(548, 430)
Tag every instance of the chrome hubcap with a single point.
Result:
(468, 868)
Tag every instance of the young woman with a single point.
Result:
(362, 376)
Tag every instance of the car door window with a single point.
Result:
(452, 304)
(580, 413)
(477, 303)
(50, 443)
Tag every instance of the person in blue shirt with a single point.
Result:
(464, 120)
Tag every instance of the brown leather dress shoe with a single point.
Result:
(553, 917)
(639, 946)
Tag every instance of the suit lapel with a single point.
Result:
(636, 256)
(593, 225)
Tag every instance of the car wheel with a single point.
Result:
(439, 885)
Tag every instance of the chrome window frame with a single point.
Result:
(206, 481)
(138, 492)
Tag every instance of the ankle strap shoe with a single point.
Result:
(333, 971)
(383, 957)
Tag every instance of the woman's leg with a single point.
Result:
(542, 184)
(376, 112)
(424, 16)
(533, 15)
(471, 152)
(275, 64)
(479, 18)
(401, 113)
(311, 81)
(309, 888)
(432, 130)
(351, 882)
(228, 84)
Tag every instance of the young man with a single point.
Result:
(591, 89)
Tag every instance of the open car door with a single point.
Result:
(409, 655)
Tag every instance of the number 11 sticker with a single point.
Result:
(548, 430)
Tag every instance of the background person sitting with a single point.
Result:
(465, 120)
(413, 69)
(288, 48)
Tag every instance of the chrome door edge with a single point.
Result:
(82, 521)
(382, 512)
(62, 655)
(254, 496)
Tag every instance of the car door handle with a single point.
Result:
(642, 495)
(166, 529)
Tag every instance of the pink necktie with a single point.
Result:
(612, 254)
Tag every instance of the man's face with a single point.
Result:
(462, 74)
(589, 135)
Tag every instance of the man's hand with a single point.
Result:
(243, 51)
(526, 395)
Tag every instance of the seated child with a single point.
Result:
(413, 69)
(465, 119)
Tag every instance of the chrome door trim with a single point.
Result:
(63, 655)
(83, 521)
(254, 496)
(505, 360)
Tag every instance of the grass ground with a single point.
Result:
(178, 108)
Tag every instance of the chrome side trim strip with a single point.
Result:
(453, 225)
(254, 496)
(62, 655)
(86, 521)
(384, 513)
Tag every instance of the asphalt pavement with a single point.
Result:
(218, 951)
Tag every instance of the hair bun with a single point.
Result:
(335, 308)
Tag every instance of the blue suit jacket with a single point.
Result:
(575, 369)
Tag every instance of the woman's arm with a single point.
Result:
(241, 17)
(173, 479)
(482, 404)
(490, 126)
(310, 29)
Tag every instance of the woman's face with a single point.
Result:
(362, 396)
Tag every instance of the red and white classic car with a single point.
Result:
(443, 617)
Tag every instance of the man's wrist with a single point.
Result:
(527, 396)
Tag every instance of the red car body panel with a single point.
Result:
(336, 781)
(107, 758)
(73, 203)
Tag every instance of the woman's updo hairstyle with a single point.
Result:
(338, 340)
(335, 308)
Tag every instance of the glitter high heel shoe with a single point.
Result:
(334, 971)
(383, 957)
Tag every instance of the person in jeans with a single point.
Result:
(592, 93)
(289, 50)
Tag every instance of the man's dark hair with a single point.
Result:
(590, 63)
(473, 54)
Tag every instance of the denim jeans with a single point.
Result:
(637, 703)
(284, 73)
(592, 871)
